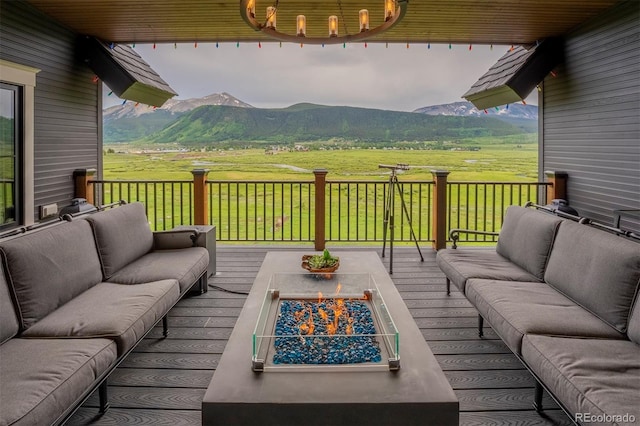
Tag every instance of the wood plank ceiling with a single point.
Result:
(427, 21)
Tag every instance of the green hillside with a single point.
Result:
(307, 122)
(128, 129)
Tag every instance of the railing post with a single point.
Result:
(82, 187)
(440, 209)
(200, 197)
(558, 188)
(320, 185)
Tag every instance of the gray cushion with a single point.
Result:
(122, 236)
(516, 308)
(121, 312)
(592, 376)
(633, 331)
(9, 325)
(526, 238)
(462, 264)
(185, 265)
(41, 378)
(50, 267)
(598, 270)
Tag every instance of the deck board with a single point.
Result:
(163, 380)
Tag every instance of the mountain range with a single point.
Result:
(223, 118)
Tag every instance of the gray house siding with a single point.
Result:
(67, 126)
(590, 127)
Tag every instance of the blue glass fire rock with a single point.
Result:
(351, 342)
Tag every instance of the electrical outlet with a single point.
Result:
(48, 210)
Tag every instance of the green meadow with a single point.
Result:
(283, 212)
(512, 158)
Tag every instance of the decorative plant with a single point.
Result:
(323, 260)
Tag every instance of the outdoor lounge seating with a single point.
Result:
(563, 296)
(76, 298)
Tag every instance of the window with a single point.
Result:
(10, 161)
(17, 118)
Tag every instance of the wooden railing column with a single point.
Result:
(200, 197)
(82, 187)
(320, 185)
(558, 188)
(440, 209)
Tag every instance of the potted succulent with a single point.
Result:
(324, 262)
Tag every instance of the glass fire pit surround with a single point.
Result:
(320, 322)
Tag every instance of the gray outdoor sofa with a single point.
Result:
(76, 298)
(563, 296)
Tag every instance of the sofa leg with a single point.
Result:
(448, 287)
(537, 398)
(480, 325)
(104, 397)
(165, 325)
(204, 284)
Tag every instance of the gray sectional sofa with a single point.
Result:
(563, 295)
(76, 298)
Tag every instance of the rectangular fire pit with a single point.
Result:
(368, 393)
(326, 322)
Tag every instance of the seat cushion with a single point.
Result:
(121, 312)
(459, 265)
(49, 267)
(185, 265)
(596, 269)
(122, 235)
(526, 238)
(517, 308)
(595, 376)
(41, 378)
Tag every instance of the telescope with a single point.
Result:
(398, 166)
(389, 212)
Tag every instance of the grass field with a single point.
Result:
(503, 159)
(252, 212)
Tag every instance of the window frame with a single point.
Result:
(24, 76)
(18, 143)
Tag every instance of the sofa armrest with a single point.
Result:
(454, 234)
(174, 239)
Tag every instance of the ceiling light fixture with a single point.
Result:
(394, 11)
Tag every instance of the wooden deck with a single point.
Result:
(163, 380)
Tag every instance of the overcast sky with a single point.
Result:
(394, 77)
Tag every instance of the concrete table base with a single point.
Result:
(417, 394)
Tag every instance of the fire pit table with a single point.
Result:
(269, 375)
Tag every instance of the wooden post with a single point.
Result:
(200, 197)
(320, 185)
(440, 209)
(82, 186)
(558, 188)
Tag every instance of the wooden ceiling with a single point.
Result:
(427, 21)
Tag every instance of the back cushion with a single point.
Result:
(122, 236)
(50, 267)
(598, 270)
(9, 324)
(634, 322)
(526, 238)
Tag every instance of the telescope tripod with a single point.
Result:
(389, 219)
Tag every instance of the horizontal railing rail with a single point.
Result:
(350, 211)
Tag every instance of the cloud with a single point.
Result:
(393, 77)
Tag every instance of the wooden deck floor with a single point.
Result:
(164, 380)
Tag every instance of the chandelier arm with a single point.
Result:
(273, 33)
